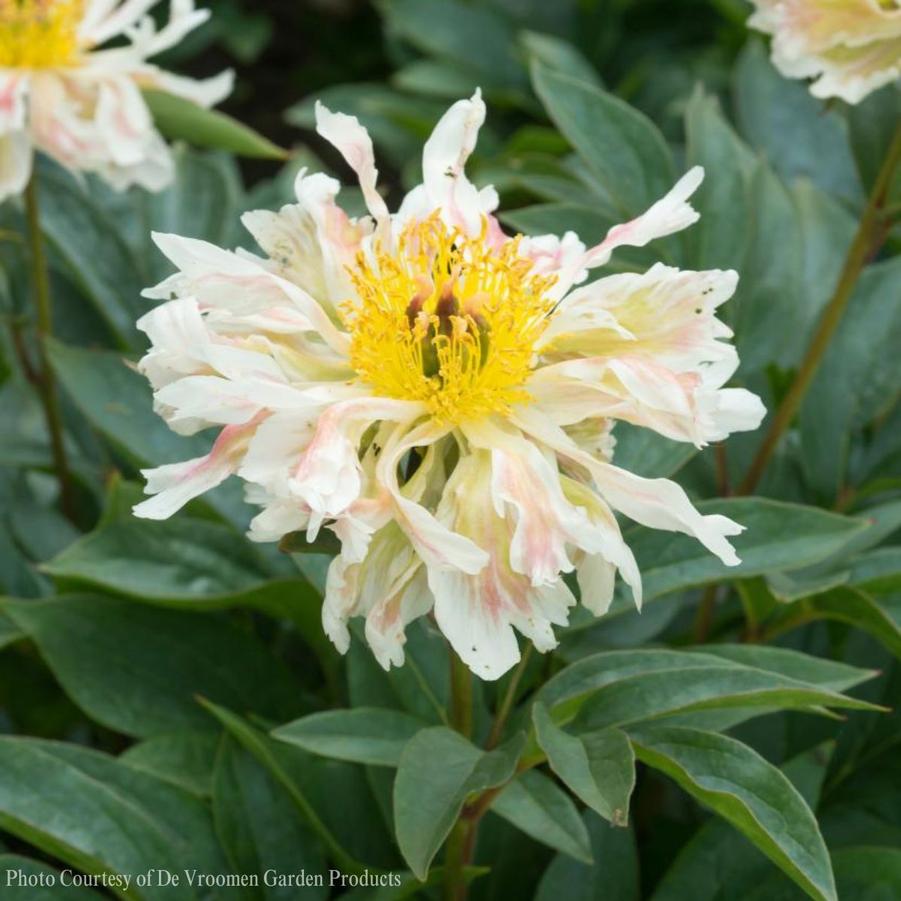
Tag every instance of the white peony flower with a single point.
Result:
(440, 395)
(851, 47)
(81, 105)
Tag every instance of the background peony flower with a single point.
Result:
(849, 47)
(82, 105)
(441, 395)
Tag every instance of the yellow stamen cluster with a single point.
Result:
(39, 34)
(448, 320)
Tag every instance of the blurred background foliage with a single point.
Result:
(139, 618)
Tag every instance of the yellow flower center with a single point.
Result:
(38, 34)
(447, 320)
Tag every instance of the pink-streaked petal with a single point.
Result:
(656, 503)
(443, 159)
(355, 145)
(437, 545)
(174, 484)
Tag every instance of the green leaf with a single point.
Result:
(420, 687)
(118, 402)
(830, 674)
(559, 55)
(720, 239)
(362, 735)
(767, 312)
(612, 877)
(15, 872)
(136, 669)
(868, 874)
(565, 693)
(438, 770)
(434, 78)
(470, 37)
(778, 536)
(181, 119)
(598, 767)
(740, 786)
(692, 688)
(332, 796)
(798, 133)
(847, 605)
(872, 125)
(101, 816)
(718, 862)
(827, 230)
(188, 563)
(534, 804)
(184, 759)
(204, 201)
(260, 829)
(648, 454)
(878, 571)
(590, 223)
(620, 145)
(183, 562)
(88, 242)
(576, 681)
(9, 631)
(856, 380)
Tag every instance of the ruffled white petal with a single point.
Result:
(443, 158)
(355, 145)
(850, 47)
(174, 484)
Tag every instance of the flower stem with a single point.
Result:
(461, 842)
(869, 237)
(461, 696)
(46, 384)
(503, 712)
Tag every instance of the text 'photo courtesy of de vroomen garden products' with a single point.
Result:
(450, 449)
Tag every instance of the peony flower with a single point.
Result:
(851, 47)
(441, 395)
(81, 105)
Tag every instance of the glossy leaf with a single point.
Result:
(796, 131)
(438, 770)
(259, 827)
(720, 239)
(612, 877)
(534, 804)
(361, 735)
(185, 759)
(118, 402)
(740, 786)
(778, 536)
(333, 797)
(101, 816)
(136, 669)
(855, 382)
(852, 606)
(598, 767)
(87, 241)
(622, 148)
(666, 692)
(181, 119)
